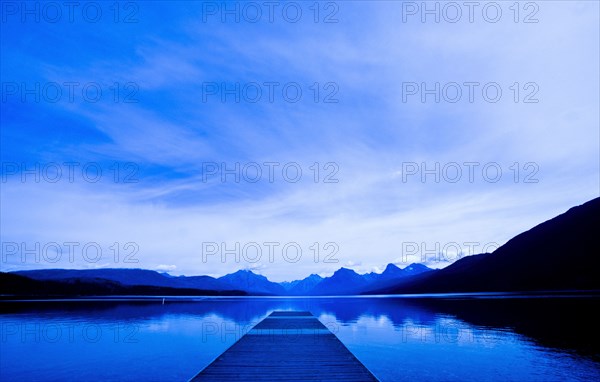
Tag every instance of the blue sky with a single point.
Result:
(168, 61)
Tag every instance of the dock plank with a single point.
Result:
(287, 346)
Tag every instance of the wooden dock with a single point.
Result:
(287, 346)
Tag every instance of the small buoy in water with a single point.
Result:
(163, 301)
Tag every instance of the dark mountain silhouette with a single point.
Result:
(241, 280)
(130, 277)
(394, 272)
(344, 281)
(371, 277)
(559, 254)
(253, 283)
(20, 286)
(302, 287)
(391, 272)
(415, 269)
(393, 275)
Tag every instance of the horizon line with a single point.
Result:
(253, 271)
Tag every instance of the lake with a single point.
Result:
(435, 338)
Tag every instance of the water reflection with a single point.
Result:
(541, 339)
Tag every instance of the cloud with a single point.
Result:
(371, 213)
(164, 267)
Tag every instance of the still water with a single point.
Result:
(491, 338)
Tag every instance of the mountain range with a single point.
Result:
(559, 254)
(344, 281)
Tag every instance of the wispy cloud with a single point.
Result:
(370, 214)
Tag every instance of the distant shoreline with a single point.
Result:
(183, 298)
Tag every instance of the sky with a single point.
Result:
(290, 138)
